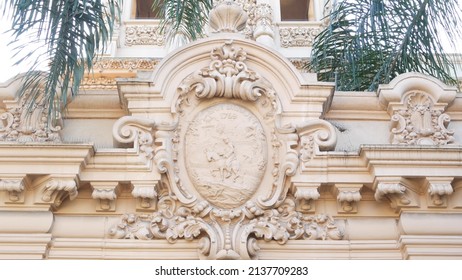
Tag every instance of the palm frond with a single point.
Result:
(73, 32)
(187, 17)
(369, 42)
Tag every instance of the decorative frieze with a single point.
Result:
(144, 35)
(298, 36)
(125, 64)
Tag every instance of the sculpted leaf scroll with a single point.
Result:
(227, 76)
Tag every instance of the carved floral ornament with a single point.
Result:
(420, 122)
(226, 165)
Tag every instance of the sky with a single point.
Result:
(7, 70)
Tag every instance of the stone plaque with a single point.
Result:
(226, 154)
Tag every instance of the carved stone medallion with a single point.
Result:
(226, 154)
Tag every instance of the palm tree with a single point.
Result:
(74, 32)
(369, 42)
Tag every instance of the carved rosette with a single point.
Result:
(226, 165)
(420, 122)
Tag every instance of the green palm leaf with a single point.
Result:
(369, 42)
(72, 31)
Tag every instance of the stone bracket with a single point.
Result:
(305, 195)
(397, 191)
(146, 194)
(106, 194)
(15, 187)
(54, 189)
(348, 196)
(438, 191)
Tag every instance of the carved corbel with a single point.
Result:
(53, 190)
(146, 195)
(348, 196)
(305, 195)
(315, 135)
(139, 131)
(397, 191)
(438, 190)
(106, 194)
(456, 198)
(15, 187)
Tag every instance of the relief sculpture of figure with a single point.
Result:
(225, 159)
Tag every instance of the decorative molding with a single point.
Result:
(298, 36)
(146, 194)
(27, 120)
(106, 194)
(348, 196)
(420, 123)
(438, 191)
(15, 187)
(236, 238)
(151, 35)
(125, 64)
(397, 191)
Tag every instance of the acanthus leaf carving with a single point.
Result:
(227, 76)
(224, 234)
(106, 194)
(298, 36)
(146, 194)
(53, 190)
(144, 35)
(348, 196)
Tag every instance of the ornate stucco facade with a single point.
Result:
(226, 148)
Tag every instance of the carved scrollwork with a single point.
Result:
(227, 76)
(231, 236)
(29, 120)
(420, 123)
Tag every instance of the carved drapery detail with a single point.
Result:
(236, 238)
(227, 76)
(28, 120)
(298, 36)
(144, 35)
(420, 123)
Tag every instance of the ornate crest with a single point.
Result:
(227, 164)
